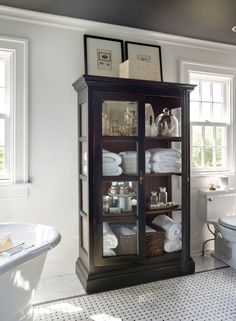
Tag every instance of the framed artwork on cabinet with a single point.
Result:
(102, 56)
(145, 52)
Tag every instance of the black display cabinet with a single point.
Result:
(112, 114)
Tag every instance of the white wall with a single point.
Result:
(55, 62)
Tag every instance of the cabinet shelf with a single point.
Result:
(120, 139)
(162, 174)
(168, 139)
(121, 217)
(164, 210)
(120, 178)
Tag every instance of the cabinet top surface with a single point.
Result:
(88, 80)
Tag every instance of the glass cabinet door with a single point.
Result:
(119, 155)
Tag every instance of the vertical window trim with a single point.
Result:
(230, 72)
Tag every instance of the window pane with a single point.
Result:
(208, 157)
(206, 111)
(197, 136)
(197, 157)
(217, 92)
(2, 73)
(2, 100)
(206, 91)
(195, 112)
(195, 94)
(219, 157)
(218, 115)
(221, 136)
(1, 159)
(209, 136)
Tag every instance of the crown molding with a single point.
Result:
(98, 28)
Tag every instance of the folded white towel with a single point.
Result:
(108, 252)
(160, 154)
(110, 240)
(172, 229)
(126, 231)
(172, 245)
(112, 170)
(111, 158)
(163, 168)
(133, 154)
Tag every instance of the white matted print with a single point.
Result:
(102, 56)
(145, 52)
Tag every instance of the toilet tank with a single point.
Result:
(213, 205)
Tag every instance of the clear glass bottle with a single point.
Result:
(163, 195)
(154, 197)
(167, 124)
(131, 118)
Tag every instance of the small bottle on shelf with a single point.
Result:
(153, 197)
(163, 195)
(153, 128)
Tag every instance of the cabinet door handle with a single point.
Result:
(209, 199)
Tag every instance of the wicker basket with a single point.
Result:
(154, 243)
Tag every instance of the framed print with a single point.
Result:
(102, 56)
(145, 52)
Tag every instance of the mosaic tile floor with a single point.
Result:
(207, 296)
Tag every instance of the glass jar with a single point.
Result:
(153, 197)
(163, 195)
(131, 120)
(167, 124)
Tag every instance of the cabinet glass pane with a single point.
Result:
(119, 158)
(84, 196)
(119, 239)
(84, 235)
(83, 120)
(119, 118)
(119, 198)
(84, 158)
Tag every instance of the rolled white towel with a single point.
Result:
(172, 245)
(111, 158)
(108, 252)
(172, 229)
(112, 170)
(110, 240)
(126, 231)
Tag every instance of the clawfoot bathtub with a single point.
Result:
(21, 268)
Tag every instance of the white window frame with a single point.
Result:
(16, 184)
(228, 73)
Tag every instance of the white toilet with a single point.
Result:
(219, 208)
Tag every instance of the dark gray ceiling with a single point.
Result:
(203, 19)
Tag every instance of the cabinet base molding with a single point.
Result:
(132, 275)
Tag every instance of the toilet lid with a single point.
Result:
(228, 221)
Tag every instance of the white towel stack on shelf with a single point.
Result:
(111, 162)
(173, 233)
(129, 162)
(110, 241)
(165, 160)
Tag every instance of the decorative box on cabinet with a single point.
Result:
(105, 106)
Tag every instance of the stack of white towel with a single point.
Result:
(129, 162)
(110, 241)
(111, 162)
(173, 233)
(165, 160)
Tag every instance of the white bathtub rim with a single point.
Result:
(11, 262)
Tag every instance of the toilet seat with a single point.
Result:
(228, 222)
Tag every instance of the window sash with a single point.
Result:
(224, 146)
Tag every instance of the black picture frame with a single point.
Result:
(144, 52)
(102, 56)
